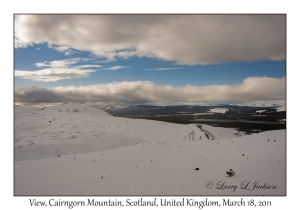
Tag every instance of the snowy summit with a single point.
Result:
(73, 149)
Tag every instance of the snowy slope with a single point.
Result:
(85, 151)
(72, 128)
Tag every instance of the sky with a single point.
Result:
(150, 59)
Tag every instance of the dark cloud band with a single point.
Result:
(186, 39)
(252, 88)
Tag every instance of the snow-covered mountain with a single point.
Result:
(73, 149)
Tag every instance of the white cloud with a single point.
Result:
(62, 48)
(252, 89)
(59, 63)
(88, 66)
(186, 39)
(116, 67)
(58, 70)
(162, 69)
(52, 75)
(41, 64)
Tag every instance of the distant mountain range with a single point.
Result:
(179, 109)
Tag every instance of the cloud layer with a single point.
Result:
(162, 69)
(57, 70)
(186, 39)
(53, 75)
(252, 88)
(116, 68)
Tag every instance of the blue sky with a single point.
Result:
(129, 56)
(138, 69)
